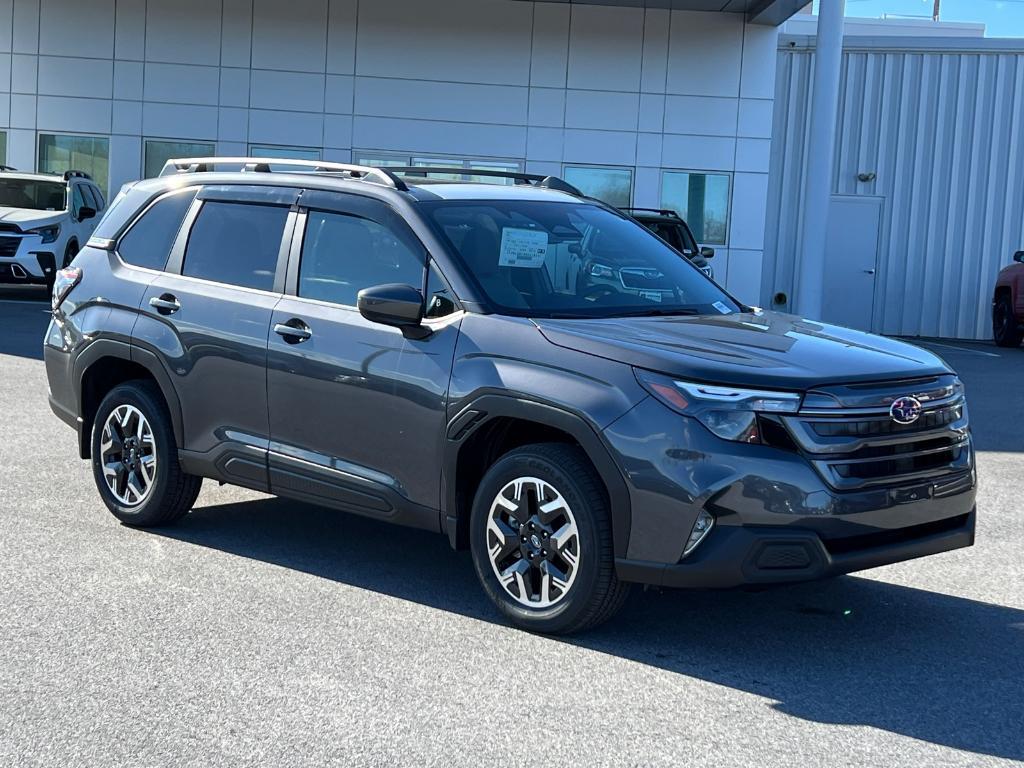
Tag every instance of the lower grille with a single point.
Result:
(9, 245)
(853, 442)
(895, 536)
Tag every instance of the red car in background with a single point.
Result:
(1008, 304)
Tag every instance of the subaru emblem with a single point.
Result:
(905, 410)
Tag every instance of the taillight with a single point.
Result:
(66, 279)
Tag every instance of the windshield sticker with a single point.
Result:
(722, 308)
(523, 248)
(651, 295)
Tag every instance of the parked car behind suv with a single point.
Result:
(670, 227)
(427, 353)
(44, 220)
(1008, 304)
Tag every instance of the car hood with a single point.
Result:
(765, 349)
(27, 218)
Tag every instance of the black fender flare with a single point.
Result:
(104, 348)
(486, 407)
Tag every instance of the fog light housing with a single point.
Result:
(701, 528)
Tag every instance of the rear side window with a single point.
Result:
(343, 254)
(236, 243)
(148, 242)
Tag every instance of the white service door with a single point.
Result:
(851, 254)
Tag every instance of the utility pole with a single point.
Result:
(824, 104)
(935, 10)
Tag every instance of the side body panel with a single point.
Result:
(505, 368)
(357, 412)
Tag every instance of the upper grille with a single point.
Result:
(850, 438)
(9, 245)
(643, 279)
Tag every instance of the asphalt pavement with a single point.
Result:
(261, 631)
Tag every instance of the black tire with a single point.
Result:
(69, 254)
(1005, 328)
(596, 594)
(173, 492)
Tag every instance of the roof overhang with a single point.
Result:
(768, 12)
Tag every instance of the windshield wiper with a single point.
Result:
(658, 312)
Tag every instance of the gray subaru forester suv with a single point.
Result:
(519, 367)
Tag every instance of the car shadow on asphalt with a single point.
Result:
(853, 651)
(23, 325)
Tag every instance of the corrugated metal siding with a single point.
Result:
(942, 129)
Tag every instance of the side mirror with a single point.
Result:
(707, 253)
(85, 212)
(1019, 256)
(394, 304)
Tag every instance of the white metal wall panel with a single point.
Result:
(939, 123)
(539, 82)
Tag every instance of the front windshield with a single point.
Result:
(548, 259)
(32, 194)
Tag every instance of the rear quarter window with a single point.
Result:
(148, 242)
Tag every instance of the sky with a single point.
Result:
(1002, 18)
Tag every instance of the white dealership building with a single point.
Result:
(641, 105)
(655, 103)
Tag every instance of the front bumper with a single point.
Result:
(747, 556)
(28, 266)
(776, 520)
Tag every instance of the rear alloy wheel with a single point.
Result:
(541, 537)
(1005, 328)
(128, 455)
(135, 458)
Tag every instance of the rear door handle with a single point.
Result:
(294, 331)
(165, 304)
(869, 271)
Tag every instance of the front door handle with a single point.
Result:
(165, 304)
(869, 271)
(294, 331)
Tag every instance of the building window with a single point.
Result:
(700, 198)
(3, 147)
(390, 160)
(611, 185)
(288, 153)
(285, 153)
(59, 153)
(159, 151)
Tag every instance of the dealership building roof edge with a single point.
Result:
(770, 12)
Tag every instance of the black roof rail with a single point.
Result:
(263, 165)
(7, 168)
(73, 174)
(534, 179)
(659, 211)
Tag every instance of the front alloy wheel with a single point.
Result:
(533, 542)
(128, 455)
(541, 537)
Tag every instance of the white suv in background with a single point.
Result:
(44, 220)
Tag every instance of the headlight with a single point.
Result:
(601, 270)
(49, 233)
(729, 412)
